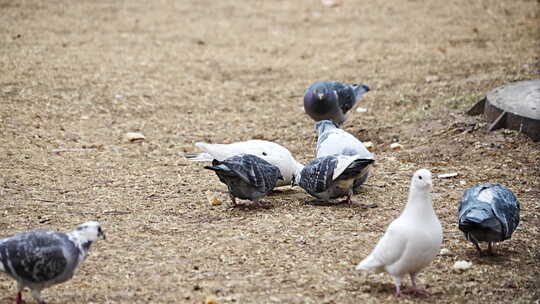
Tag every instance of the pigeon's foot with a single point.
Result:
(416, 291)
(478, 248)
(345, 201)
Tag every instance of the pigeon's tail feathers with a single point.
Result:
(471, 225)
(218, 167)
(217, 151)
(370, 264)
(357, 167)
(199, 157)
(360, 90)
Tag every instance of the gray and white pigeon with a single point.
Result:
(273, 153)
(325, 100)
(412, 240)
(334, 141)
(39, 259)
(488, 213)
(246, 176)
(332, 176)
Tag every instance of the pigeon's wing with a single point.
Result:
(35, 256)
(317, 175)
(254, 171)
(350, 95)
(261, 148)
(506, 208)
(388, 250)
(346, 97)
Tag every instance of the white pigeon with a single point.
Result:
(41, 258)
(412, 240)
(271, 152)
(335, 141)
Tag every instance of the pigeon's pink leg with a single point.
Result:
(478, 248)
(414, 290)
(490, 248)
(20, 289)
(19, 300)
(397, 282)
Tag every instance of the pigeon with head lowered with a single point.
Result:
(412, 240)
(488, 213)
(273, 153)
(334, 141)
(41, 258)
(247, 176)
(325, 100)
(332, 176)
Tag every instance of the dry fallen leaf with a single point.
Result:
(134, 136)
(448, 175)
(462, 265)
(213, 199)
(396, 146)
(369, 145)
(331, 3)
(211, 300)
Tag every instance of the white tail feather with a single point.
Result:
(370, 263)
(199, 157)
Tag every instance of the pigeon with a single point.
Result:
(247, 176)
(273, 153)
(332, 176)
(334, 141)
(488, 213)
(412, 240)
(325, 100)
(39, 259)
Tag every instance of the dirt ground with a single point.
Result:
(80, 74)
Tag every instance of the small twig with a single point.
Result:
(112, 212)
(369, 185)
(72, 150)
(51, 201)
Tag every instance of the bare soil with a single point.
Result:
(80, 74)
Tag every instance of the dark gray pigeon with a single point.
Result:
(332, 176)
(332, 100)
(333, 141)
(247, 176)
(41, 258)
(488, 213)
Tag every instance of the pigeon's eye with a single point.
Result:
(419, 177)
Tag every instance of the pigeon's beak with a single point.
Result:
(320, 95)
